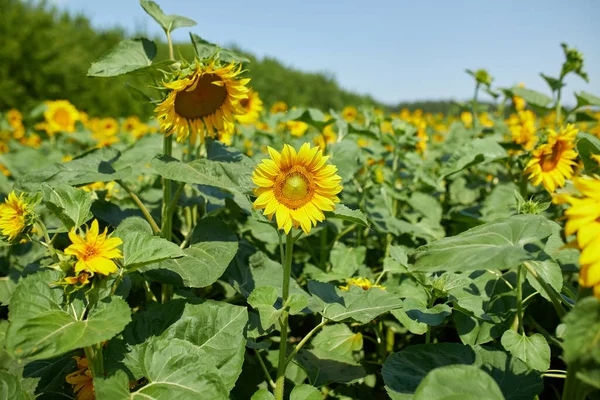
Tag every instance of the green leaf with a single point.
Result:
(263, 299)
(338, 339)
(93, 167)
(346, 155)
(262, 394)
(473, 152)
(499, 245)
(432, 316)
(356, 303)
(205, 49)
(168, 22)
(203, 263)
(10, 387)
(581, 345)
(588, 145)
(141, 247)
(323, 367)
(427, 205)
(587, 99)
(465, 382)
(344, 213)
(532, 97)
(172, 366)
(550, 272)
(128, 56)
(306, 392)
(311, 116)
(71, 206)
(41, 328)
(532, 350)
(554, 83)
(405, 370)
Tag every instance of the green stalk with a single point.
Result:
(305, 339)
(287, 271)
(554, 297)
(140, 205)
(519, 301)
(558, 108)
(474, 106)
(166, 229)
(324, 246)
(95, 359)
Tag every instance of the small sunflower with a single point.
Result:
(203, 100)
(279, 107)
(252, 106)
(15, 118)
(296, 187)
(583, 219)
(552, 162)
(82, 380)
(349, 113)
(95, 252)
(130, 124)
(467, 119)
(363, 283)
(60, 116)
(297, 128)
(16, 216)
(522, 128)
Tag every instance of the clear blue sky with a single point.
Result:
(394, 50)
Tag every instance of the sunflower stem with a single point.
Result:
(167, 290)
(44, 230)
(474, 106)
(287, 271)
(140, 205)
(519, 327)
(305, 339)
(554, 297)
(558, 108)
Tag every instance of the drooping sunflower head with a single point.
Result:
(296, 187)
(552, 162)
(16, 216)
(252, 107)
(82, 380)
(60, 116)
(94, 252)
(202, 100)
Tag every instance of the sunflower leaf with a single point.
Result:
(589, 145)
(344, 213)
(449, 382)
(168, 22)
(205, 49)
(71, 206)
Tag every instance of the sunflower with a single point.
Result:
(130, 124)
(363, 283)
(553, 162)
(583, 219)
(252, 106)
(349, 113)
(82, 380)
(15, 118)
(522, 128)
(297, 128)
(16, 216)
(279, 107)
(203, 100)
(95, 251)
(467, 119)
(60, 116)
(296, 187)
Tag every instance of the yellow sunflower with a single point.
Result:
(296, 187)
(82, 380)
(364, 283)
(95, 252)
(279, 107)
(583, 219)
(252, 106)
(522, 128)
(467, 119)
(60, 116)
(552, 162)
(204, 100)
(15, 118)
(297, 128)
(16, 215)
(130, 124)
(349, 113)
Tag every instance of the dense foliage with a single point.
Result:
(282, 252)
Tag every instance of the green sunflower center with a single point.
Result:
(294, 188)
(202, 99)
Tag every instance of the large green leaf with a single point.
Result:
(548, 270)
(41, 328)
(344, 213)
(499, 245)
(171, 366)
(450, 382)
(532, 97)
(587, 99)
(476, 151)
(306, 392)
(356, 304)
(532, 350)
(141, 247)
(581, 345)
(10, 388)
(93, 167)
(168, 22)
(128, 56)
(323, 367)
(71, 206)
(338, 339)
(213, 248)
(205, 49)
(405, 370)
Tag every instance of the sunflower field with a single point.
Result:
(228, 248)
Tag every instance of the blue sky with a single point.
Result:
(394, 50)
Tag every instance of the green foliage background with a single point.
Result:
(45, 55)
